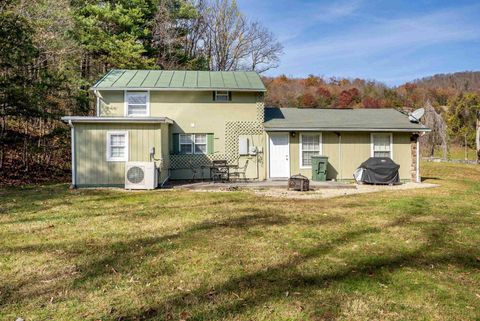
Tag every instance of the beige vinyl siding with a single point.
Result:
(112, 103)
(354, 149)
(92, 167)
(195, 112)
(402, 153)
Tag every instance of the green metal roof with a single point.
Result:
(309, 119)
(180, 80)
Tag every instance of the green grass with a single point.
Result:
(177, 255)
(457, 152)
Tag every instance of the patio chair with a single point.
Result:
(240, 171)
(219, 171)
(193, 170)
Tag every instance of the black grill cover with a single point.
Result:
(380, 170)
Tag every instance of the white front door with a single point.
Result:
(279, 155)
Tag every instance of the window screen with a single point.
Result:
(222, 96)
(310, 146)
(137, 103)
(381, 145)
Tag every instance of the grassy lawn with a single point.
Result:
(178, 255)
(458, 152)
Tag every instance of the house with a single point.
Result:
(184, 120)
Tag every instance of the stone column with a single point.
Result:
(414, 152)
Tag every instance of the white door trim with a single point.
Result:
(269, 153)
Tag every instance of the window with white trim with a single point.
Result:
(381, 145)
(200, 143)
(309, 145)
(221, 95)
(193, 143)
(136, 103)
(117, 146)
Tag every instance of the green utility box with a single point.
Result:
(319, 168)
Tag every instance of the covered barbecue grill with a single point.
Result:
(378, 170)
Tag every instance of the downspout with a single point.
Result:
(72, 143)
(340, 155)
(166, 179)
(95, 92)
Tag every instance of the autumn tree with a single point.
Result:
(348, 98)
(462, 118)
(307, 100)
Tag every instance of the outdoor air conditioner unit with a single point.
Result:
(140, 175)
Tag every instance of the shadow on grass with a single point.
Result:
(424, 178)
(242, 293)
(270, 284)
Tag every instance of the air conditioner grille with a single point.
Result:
(135, 175)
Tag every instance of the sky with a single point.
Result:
(389, 41)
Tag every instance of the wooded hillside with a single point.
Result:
(452, 101)
(315, 91)
(52, 51)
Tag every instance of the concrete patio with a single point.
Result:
(269, 184)
(278, 189)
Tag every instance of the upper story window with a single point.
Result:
(310, 144)
(221, 95)
(193, 143)
(381, 145)
(137, 103)
(117, 146)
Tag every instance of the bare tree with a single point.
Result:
(438, 136)
(264, 50)
(232, 42)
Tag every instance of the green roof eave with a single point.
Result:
(180, 80)
(345, 129)
(319, 119)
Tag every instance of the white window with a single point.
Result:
(193, 143)
(186, 143)
(117, 146)
(200, 144)
(381, 145)
(136, 103)
(310, 144)
(222, 96)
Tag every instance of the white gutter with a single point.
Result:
(131, 120)
(72, 143)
